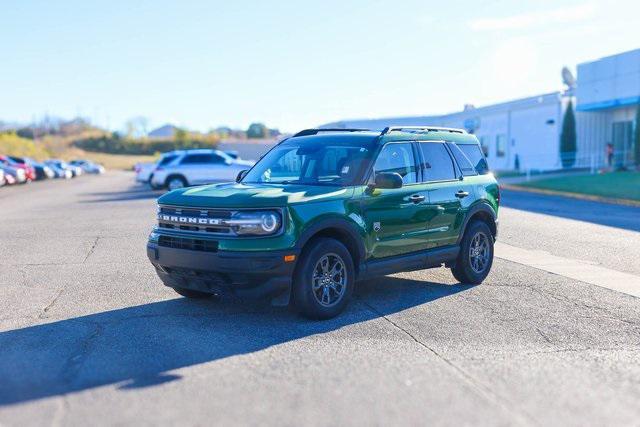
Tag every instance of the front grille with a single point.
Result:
(188, 244)
(201, 213)
(210, 221)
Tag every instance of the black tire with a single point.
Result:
(469, 268)
(171, 178)
(189, 293)
(340, 286)
(150, 182)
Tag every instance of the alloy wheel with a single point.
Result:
(329, 281)
(479, 252)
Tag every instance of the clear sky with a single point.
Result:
(292, 64)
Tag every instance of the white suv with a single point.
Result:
(196, 167)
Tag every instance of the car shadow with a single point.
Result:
(138, 346)
(137, 192)
(626, 217)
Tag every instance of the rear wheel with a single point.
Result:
(175, 182)
(476, 254)
(324, 279)
(190, 293)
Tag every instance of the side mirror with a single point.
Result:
(388, 180)
(241, 175)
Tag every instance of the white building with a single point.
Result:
(525, 133)
(608, 96)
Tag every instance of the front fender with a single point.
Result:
(344, 216)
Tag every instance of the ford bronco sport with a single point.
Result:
(329, 207)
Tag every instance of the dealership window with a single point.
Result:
(622, 143)
(501, 145)
(484, 143)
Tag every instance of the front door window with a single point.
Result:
(398, 158)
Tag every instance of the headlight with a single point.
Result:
(257, 223)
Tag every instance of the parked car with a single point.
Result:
(75, 170)
(326, 208)
(9, 179)
(88, 166)
(60, 169)
(42, 171)
(144, 171)
(14, 175)
(29, 172)
(233, 154)
(195, 167)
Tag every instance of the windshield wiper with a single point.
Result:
(298, 182)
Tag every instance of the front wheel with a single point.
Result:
(324, 279)
(476, 254)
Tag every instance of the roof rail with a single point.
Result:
(308, 132)
(420, 128)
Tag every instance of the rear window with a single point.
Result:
(166, 160)
(475, 156)
(463, 161)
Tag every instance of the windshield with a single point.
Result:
(313, 163)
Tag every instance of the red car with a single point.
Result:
(29, 171)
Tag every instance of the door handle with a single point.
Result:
(417, 198)
(462, 194)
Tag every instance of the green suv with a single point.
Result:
(326, 208)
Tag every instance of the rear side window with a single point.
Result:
(438, 165)
(474, 154)
(463, 161)
(191, 159)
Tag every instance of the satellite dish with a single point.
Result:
(568, 78)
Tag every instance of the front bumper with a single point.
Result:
(242, 273)
(157, 180)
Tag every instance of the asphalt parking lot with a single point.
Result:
(89, 335)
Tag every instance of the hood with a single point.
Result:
(235, 195)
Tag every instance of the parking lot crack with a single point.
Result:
(76, 360)
(93, 248)
(45, 310)
(544, 336)
(484, 390)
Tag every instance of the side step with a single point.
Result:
(431, 258)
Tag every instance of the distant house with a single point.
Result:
(166, 131)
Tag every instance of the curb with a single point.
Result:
(591, 198)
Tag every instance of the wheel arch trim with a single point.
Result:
(482, 208)
(348, 229)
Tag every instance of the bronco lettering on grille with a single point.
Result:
(189, 220)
